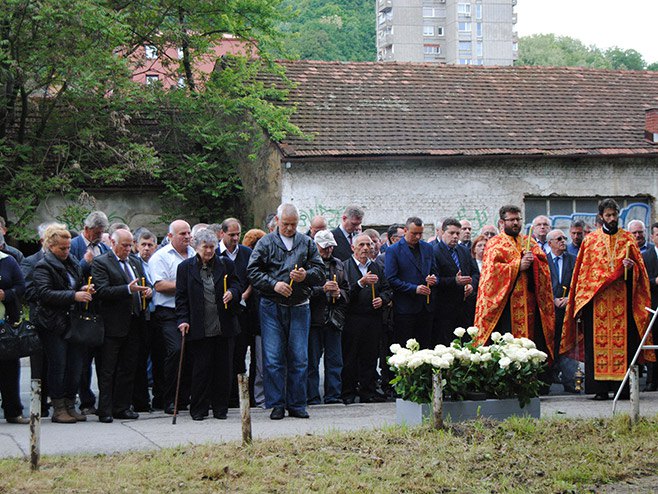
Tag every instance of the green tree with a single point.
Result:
(625, 59)
(559, 51)
(69, 111)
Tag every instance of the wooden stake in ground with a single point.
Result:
(35, 424)
(245, 412)
(437, 401)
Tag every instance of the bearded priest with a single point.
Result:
(515, 294)
(609, 291)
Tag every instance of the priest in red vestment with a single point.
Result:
(515, 294)
(605, 318)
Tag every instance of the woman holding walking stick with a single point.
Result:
(207, 290)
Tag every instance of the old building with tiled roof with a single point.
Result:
(437, 141)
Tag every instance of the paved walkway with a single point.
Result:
(155, 430)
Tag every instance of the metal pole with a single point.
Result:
(437, 401)
(245, 412)
(178, 378)
(635, 394)
(35, 424)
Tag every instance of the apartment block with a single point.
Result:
(464, 32)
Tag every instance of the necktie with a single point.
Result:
(350, 236)
(558, 268)
(136, 305)
(455, 257)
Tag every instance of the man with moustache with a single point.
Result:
(609, 292)
(515, 293)
(369, 293)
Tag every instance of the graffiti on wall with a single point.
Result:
(477, 217)
(331, 214)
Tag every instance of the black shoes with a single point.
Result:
(277, 413)
(300, 414)
(127, 415)
(349, 400)
(601, 397)
(220, 414)
(105, 419)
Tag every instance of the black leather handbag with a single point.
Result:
(87, 328)
(18, 340)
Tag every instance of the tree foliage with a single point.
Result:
(71, 118)
(337, 30)
(563, 51)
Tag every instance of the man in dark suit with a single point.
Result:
(368, 294)
(411, 272)
(561, 264)
(349, 228)
(85, 247)
(455, 283)
(650, 257)
(230, 247)
(118, 281)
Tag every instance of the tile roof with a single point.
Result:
(414, 109)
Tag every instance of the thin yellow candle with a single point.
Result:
(333, 300)
(88, 290)
(143, 295)
(564, 291)
(225, 278)
(373, 289)
(291, 280)
(428, 297)
(628, 253)
(527, 247)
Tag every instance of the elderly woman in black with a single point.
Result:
(58, 283)
(207, 291)
(12, 286)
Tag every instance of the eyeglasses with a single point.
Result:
(559, 239)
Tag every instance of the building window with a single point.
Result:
(429, 12)
(428, 30)
(439, 30)
(465, 61)
(563, 210)
(465, 46)
(478, 29)
(431, 49)
(479, 48)
(151, 52)
(152, 79)
(464, 9)
(515, 46)
(464, 27)
(478, 11)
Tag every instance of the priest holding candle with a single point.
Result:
(605, 318)
(515, 294)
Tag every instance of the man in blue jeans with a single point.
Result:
(284, 266)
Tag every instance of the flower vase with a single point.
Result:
(410, 413)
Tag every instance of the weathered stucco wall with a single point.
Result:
(394, 190)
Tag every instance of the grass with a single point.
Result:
(519, 455)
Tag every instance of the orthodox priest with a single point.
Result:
(605, 318)
(515, 294)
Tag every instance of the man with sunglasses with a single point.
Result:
(515, 294)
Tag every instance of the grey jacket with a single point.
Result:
(271, 262)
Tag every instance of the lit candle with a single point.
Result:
(373, 289)
(88, 290)
(143, 295)
(225, 278)
(428, 297)
(291, 280)
(527, 247)
(334, 298)
(564, 291)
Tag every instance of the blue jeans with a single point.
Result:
(65, 361)
(284, 331)
(328, 340)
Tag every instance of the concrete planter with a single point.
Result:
(410, 413)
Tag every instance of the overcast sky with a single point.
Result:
(604, 23)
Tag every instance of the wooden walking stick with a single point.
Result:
(180, 371)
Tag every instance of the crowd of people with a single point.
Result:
(181, 316)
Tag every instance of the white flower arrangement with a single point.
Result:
(507, 368)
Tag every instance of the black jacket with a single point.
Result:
(361, 298)
(271, 262)
(116, 302)
(54, 296)
(322, 304)
(190, 300)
